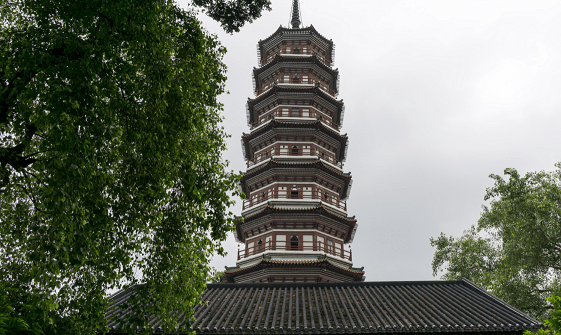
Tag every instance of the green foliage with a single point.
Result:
(515, 250)
(233, 14)
(111, 173)
(554, 322)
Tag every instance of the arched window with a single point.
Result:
(294, 242)
(294, 193)
(294, 150)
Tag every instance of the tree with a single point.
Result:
(515, 249)
(554, 322)
(110, 165)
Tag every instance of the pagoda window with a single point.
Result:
(286, 79)
(329, 246)
(304, 50)
(294, 242)
(282, 192)
(250, 248)
(287, 49)
(268, 242)
(294, 193)
(285, 112)
(306, 150)
(284, 149)
(305, 112)
(263, 197)
(338, 250)
(326, 197)
(295, 112)
(281, 242)
(307, 193)
(321, 243)
(308, 242)
(259, 245)
(304, 79)
(295, 150)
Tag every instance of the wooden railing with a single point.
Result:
(296, 246)
(274, 194)
(295, 82)
(296, 114)
(268, 59)
(275, 151)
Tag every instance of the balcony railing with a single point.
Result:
(297, 114)
(296, 246)
(300, 52)
(295, 82)
(312, 152)
(276, 194)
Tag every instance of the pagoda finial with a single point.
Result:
(296, 19)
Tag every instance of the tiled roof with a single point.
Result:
(301, 59)
(294, 88)
(351, 222)
(283, 30)
(317, 164)
(317, 124)
(322, 263)
(358, 307)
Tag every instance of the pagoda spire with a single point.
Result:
(296, 19)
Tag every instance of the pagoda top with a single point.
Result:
(296, 18)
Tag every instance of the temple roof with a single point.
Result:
(348, 308)
(280, 58)
(317, 164)
(294, 124)
(310, 31)
(294, 89)
(320, 209)
(324, 263)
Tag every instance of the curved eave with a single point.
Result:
(302, 59)
(287, 89)
(282, 30)
(318, 164)
(316, 210)
(274, 124)
(267, 263)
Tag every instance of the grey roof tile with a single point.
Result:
(357, 307)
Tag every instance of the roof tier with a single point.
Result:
(301, 60)
(346, 308)
(275, 124)
(294, 270)
(346, 225)
(299, 92)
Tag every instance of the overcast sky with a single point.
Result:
(438, 95)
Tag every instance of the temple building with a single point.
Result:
(295, 224)
(294, 273)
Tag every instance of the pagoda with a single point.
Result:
(294, 222)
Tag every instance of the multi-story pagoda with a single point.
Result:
(295, 221)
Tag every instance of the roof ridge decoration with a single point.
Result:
(296, 20)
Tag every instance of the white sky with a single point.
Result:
(438, 95)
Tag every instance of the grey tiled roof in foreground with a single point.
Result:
(363, 307)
